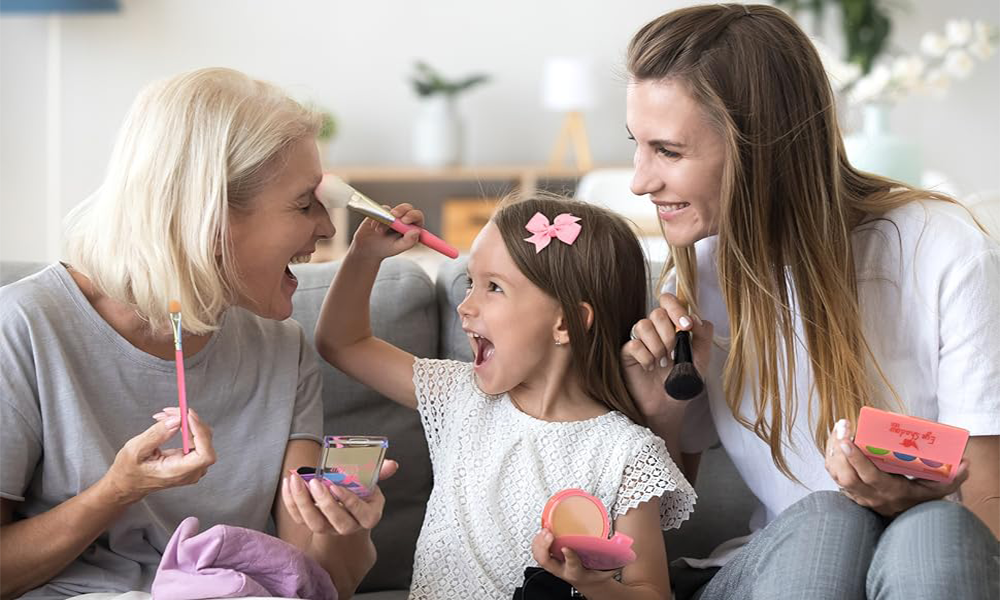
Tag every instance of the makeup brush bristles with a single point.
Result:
(333, 192)
(683, 382)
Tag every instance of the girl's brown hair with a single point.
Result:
(605, 268)
(789, 202)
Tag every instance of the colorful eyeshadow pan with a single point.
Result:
(910, 446)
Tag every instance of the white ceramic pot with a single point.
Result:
(437, 133)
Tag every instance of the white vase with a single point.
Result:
(327, 151)
(437, 133)
(876, 150)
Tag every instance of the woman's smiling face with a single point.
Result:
(283, 225)
(679, 159)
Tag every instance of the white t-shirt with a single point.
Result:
(929, 291)
(495, 467)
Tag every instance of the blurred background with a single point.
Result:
(502, 83)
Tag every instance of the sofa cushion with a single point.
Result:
(722, 512)
(403, 312)
(13, 270)
(452, 282)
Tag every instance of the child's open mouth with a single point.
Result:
(483, 348)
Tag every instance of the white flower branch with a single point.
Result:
(942, 59)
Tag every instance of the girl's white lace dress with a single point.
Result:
(496, 467)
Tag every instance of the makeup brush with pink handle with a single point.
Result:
(333, 192)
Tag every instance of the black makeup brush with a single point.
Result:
(683, 382)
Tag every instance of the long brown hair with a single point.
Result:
(605, 268)
(789, 202)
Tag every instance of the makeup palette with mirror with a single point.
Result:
(579, 521)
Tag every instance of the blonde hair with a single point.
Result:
(604, 267)
(192, 149)
(789, 202)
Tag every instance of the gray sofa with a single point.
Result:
(418, 314)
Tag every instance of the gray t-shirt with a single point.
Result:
(73, 391)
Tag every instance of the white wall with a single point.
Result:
(355, 57)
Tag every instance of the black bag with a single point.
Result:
(539, 584)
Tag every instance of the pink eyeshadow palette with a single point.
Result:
(910, 445)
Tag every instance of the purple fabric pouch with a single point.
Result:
(231, 562)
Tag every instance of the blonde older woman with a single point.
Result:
(207, 199)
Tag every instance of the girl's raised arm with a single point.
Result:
(343, 332)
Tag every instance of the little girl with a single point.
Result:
(554, 287)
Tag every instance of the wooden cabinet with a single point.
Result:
(456, 201)
(462, 218)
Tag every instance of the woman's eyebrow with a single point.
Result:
(663, 142)
(311, 186)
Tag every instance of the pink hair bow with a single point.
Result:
(564, 227)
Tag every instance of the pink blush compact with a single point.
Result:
(579, 521)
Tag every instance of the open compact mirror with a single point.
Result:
(579, 521)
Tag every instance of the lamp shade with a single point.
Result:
(567, 84)
(62, 6)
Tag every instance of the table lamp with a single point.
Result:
(567, 86)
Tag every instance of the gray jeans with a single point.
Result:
(826, 546)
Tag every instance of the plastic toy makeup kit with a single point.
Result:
(579, 521)
(910, 445)
(350, 461)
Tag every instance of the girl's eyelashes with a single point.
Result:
(490, 287)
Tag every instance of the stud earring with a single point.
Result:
(558, 343)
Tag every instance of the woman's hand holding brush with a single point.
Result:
(649, 358)
(141, 467)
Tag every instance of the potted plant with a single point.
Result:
(866, 25)
(327, 129)
(437, 135)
